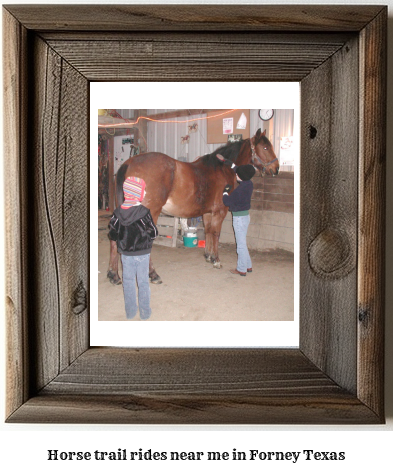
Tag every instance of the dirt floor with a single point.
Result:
(192, 290)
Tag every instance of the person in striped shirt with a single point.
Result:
(133, 229)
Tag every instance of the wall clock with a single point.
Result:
(266, 114)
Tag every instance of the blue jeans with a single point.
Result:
(136, 270)
(240, 226)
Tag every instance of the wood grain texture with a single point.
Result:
(187, 17)
(194, 409)
(14, 148)
(58, 220)
(193, 386)
(335, 376)
(127, 59)
(328, 208)
(328, 40)
(372, 198)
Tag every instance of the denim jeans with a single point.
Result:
(136, 270)
(240, 226)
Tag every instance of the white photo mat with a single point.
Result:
(171, 95)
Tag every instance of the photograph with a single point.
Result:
(201, 230)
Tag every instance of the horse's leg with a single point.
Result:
(216, 224)
(113, 270)
(153, 275)
(207, 219)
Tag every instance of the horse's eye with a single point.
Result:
(265, 147)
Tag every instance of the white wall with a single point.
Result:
(166, 137)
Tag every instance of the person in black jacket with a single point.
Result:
(239, 203)
(133, 229)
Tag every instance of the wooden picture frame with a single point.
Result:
(338, 54)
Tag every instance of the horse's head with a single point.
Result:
(263, 156)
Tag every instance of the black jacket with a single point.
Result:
(133, 230)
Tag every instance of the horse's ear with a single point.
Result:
(259, 134)
(264, 133)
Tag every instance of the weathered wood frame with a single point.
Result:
(338, 53)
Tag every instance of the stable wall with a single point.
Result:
(272, 215)
(167, 137)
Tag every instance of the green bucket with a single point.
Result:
(190, 241)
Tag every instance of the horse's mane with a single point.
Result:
(228, 151)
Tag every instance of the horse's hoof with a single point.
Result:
(155, 279)
(208, 258)
(217, 265)
(115, 281)
(113, 278)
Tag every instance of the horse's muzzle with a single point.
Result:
(274, 172)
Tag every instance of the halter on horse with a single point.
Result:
(255, 159)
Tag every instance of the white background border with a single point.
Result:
(24, 445)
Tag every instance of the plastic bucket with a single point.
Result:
(190, 241)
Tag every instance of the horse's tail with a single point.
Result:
(120, 178)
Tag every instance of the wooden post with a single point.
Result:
(111, 172)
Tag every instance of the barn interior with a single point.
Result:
(191, 289)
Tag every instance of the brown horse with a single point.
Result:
(192, 189)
